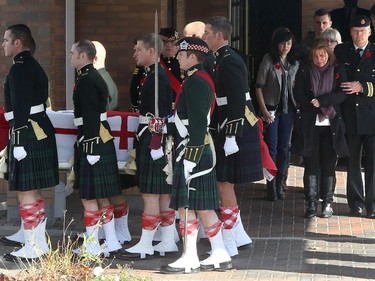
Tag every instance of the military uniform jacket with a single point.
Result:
(303, 95)
(173, 66)
(147, 96)
(25, 86)
(230, 77)
(139, 75)
(358, 109)
(194, 105)
(90, 97)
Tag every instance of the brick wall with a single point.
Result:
(46, 20)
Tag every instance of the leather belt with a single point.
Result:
(33, 110)
(224, 101)
(79, 121)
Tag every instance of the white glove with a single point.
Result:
(230, 146)
(157, 153)
(188, 167)
(19, 152)
(93, 159)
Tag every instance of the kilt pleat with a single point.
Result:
(205, 195)
(150, 175)
(100, 180)
(40, 167)
(244, 166)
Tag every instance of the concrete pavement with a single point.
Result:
(285, 244)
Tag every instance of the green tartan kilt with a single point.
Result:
(150, 175)
(40, 168)
(244, 166)
(205, 195)
(100, 180)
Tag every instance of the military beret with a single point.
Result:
(168, 34)
(360, 21)
(192, 44)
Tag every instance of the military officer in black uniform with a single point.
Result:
(32, 151)
(359, 115)
(237, 142)
(95, 162)
(168, 59)
(150, 156)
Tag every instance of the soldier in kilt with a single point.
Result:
(95, 162)
(194, 178)
(32, 151)
(237, 138)
(150, 155)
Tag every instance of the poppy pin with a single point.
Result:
(277, 66)
(367, 54)
(337, 76)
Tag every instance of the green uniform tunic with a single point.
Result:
(193, 105)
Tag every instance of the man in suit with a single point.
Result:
(359, 60)
(342, 17)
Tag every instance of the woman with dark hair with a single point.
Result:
(319, 95)
(274, 92)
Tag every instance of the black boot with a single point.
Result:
(327, 187)
(279, 187)
(310, 183)
(284, 184)
(271, 190)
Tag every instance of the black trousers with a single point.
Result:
(355, 191)
(323, 158)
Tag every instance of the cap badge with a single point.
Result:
(184, 45)
(363, 21)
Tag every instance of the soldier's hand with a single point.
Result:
(19, 152)
(157, 153)
(230, 145)
(92, 159)
(188, 167)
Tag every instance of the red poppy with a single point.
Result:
(337, 76)
(277, 66)
(367, 54)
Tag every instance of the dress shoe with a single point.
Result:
(371, 215)
(166, 269)
(11, 258)
(356, 212)
(7, 242)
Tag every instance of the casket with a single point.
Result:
(4, 130)
(123, 126)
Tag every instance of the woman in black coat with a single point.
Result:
(318, 93)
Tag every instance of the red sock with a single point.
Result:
(120, 210)
(192, 226)
(150, 222)
(29, 215)
(167, 217)
(42, 210)
(106, 214)
(212, 230)
(91, 217)
(229, 216)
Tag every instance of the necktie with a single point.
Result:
(359, 53)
